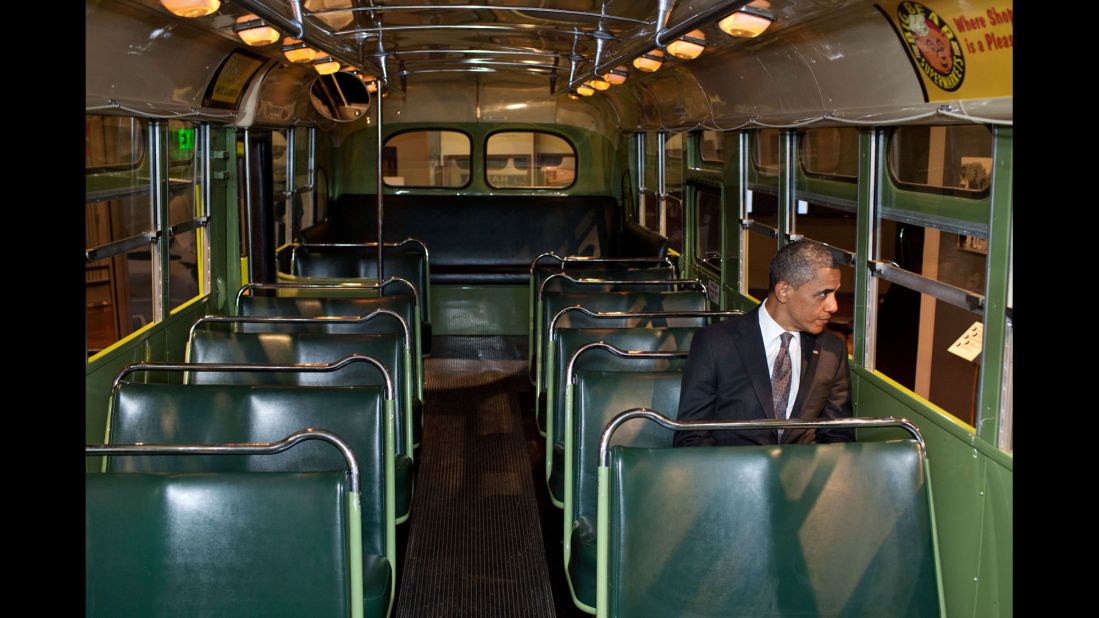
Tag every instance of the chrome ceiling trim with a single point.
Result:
(479, 7)
(496, 27)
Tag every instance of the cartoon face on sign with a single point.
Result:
(932, 43)
(934, 47)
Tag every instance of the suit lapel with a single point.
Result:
(750, 348)
(810, 357)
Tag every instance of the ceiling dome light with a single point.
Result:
(372, 87)
(598, 84)
(191, 8)
(650, 61)
(258, 35)
(335, 20)
(616, 76)
(326, 65)
(584, 90)
(689, 47)
(296, 51)
(750, 21)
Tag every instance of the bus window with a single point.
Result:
(425, 159)
(650, 186)
(280, 164)
(529, 160)
(708, 226)
(953, 160)
(762, 209)
(118, 216)
(711, 146)
(673, 190)
(830, 152)
(916, 330)
(183, 258)
(304, 214)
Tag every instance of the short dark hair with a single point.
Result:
(797, 262)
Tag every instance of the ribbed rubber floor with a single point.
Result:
(475, 545)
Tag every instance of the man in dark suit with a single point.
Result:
(776, 357)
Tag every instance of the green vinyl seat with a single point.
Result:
(599, 396)
(600, 270)
(317, 264)
(566, 342)
(223, 346)
(794, 530)
(295, 306)
(554, 302)
(219, 413)
(220, 544)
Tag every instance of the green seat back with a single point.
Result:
(596, 270)
(793, 530)
(216, 544)
(567, 342)
(291, 306)
(217, 345)
(599, 397)
(553, 302)
(221, 413)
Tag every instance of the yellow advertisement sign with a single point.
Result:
(960, 50)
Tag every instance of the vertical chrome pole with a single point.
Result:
(248, 197)
(378, 97)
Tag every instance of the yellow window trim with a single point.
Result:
(922, 401)
(121, 342)
(193, 301)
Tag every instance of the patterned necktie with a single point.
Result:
(780, 377)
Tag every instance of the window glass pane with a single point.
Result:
(650, 211)
(915, 333)
(943, 256)
(280, 156)
(183, 260)
(950, 159)
(761, 249)
(831, 226)
(303, 201)
(765, 151)
(652, 151)
(322, 196)
(118, 297)
(426, 159)
(708, 226)
(673, 186)
(763, 208)
(113, 142)
(830, 151)
(529, 160)
(711, 146)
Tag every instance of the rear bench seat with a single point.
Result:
(492, 239)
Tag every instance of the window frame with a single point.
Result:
(485, 155)
(469, 138)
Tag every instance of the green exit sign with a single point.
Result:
(185, 139)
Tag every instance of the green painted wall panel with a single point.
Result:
(479, 310)
(994, 586)
(164, 342)
(970, 551)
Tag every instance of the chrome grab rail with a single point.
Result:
(610, 315)
(591, 281)
(324, 319)
(598, 260)
(652, 415)
(262, 368)
(570, 378)
(329, 286)
(252, 448)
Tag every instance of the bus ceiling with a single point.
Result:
(816, 62)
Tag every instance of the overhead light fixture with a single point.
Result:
(191, 8)
(257, 32)
(368, 79)
(296, 51)
(616, 76)
(585, 90)
(336, 19)
(649, 62)
(372, 87)
(688, 47)
(749, 21)
(326, 65)
(598, 84)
